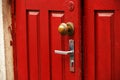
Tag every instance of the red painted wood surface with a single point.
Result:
(32, 36)
(56, 60)
(37, 37)
(101, 40)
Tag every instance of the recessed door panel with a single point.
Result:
(103, 45)
(32, 36)
(57, 63)
(101, 40)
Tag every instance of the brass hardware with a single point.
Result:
(62, 29)
(66, 28)
(70, 28)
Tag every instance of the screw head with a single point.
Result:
(71, 5)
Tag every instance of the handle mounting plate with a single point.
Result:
(70, 53)
(71, 45)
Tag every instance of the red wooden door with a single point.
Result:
(37, 37)
(102, 39)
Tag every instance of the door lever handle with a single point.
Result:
(64, 52)
(71, 54)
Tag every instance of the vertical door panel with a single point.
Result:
(56, 44)
(101, 40)
(103, 45)
(33, 21)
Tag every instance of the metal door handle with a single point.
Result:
(71, 53)
(64, 52)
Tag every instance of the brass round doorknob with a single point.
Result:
(66, 28)
(70, 28)
(62, 29)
